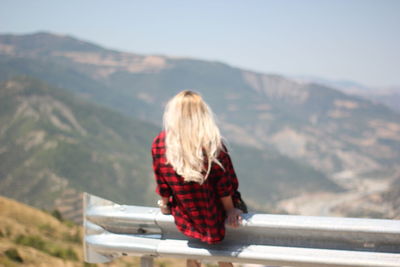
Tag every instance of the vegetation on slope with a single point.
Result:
(31, 237)
(51, 141)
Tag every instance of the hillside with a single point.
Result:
(51, 141)
(336, 140)
(31, 237)
(321, 126)
(54, 146)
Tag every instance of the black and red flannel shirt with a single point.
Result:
(197, 209)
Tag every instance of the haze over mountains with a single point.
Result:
(294, 138)
(389, 96)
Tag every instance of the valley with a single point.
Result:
(363, 198)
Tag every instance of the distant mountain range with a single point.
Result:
(292, 136)
(389, 96)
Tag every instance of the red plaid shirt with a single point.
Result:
(197, 209)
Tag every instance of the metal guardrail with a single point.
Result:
(113, 230)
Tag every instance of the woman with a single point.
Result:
(194, 173)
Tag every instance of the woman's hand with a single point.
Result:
(164, 205)
(234, 218)
(165, 210)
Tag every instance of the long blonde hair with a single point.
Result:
(192, 136)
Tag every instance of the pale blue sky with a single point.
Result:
(356, 40)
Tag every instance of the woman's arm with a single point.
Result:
(233, 214)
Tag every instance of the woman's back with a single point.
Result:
(196, 207)
(194, 173)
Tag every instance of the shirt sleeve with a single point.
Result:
(162, 188)
(227, 183)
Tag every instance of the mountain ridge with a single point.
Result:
(331, 131)
(259, 107)
(54, 145)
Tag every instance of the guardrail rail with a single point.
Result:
(113, 230)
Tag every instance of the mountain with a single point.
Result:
(55, 145)
(343, 139)
(389, 96)
(52, 141)
(328, 129)
(346, 86)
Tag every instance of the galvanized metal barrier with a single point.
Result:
(113, 230)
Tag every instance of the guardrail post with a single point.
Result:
(146, 261)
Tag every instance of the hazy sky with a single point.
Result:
(337, 39)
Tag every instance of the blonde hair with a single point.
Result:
(192, 136)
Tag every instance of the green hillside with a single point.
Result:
(266, 176)
(53, 142)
